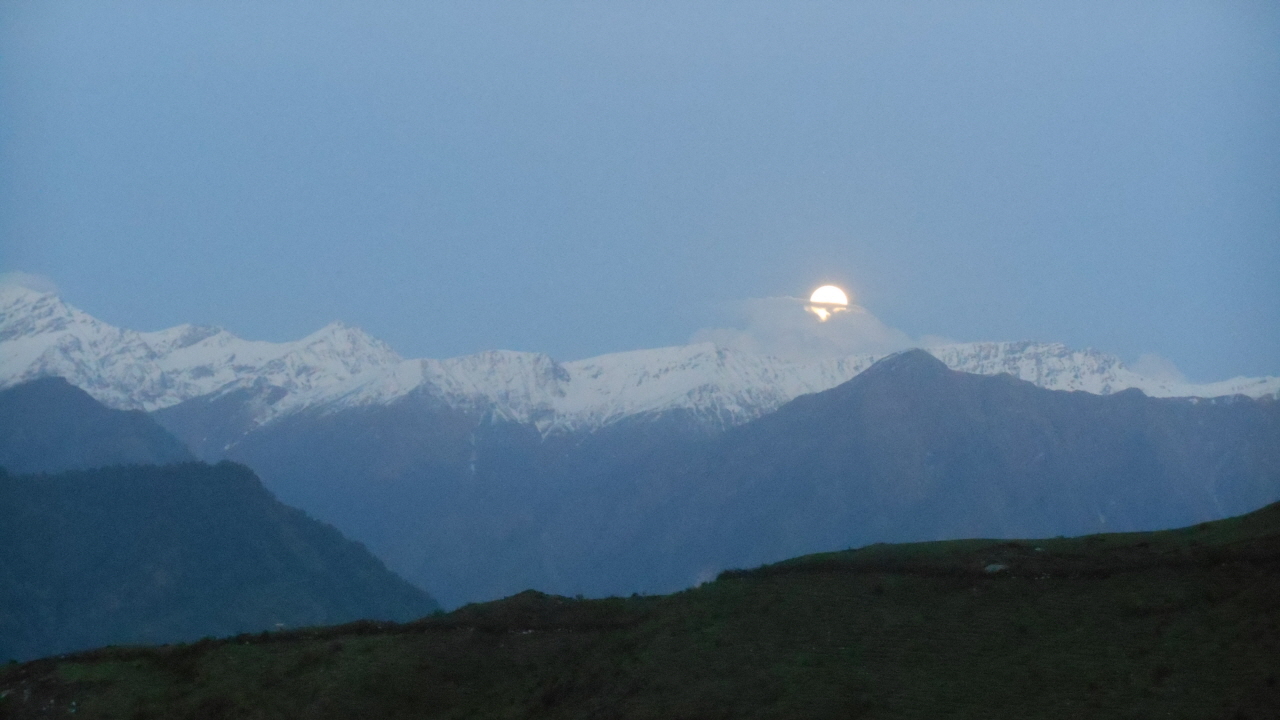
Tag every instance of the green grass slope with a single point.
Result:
(1174, 624)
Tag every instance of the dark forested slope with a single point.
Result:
(49, 425)
(134, 554)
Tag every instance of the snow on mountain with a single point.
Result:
(40, 335)
(726, 387)
(338, 367)
(1054, 366)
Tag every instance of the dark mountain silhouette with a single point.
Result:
(474, 508)
(209, 425)
(910, 450)
(49, 425)
(146, 554)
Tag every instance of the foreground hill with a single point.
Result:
(1173, 624)
(49, 425)
(137, 554)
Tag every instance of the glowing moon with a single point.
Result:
(829, 295)
(827, 301)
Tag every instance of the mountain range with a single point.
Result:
(648, 471)
(340, 367)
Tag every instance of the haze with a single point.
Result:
(578, 179)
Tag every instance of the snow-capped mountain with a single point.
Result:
(340, 367)
(40, 336)
(1054, 366)
(403, 454)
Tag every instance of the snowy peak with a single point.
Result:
(42, 336)
(182, 336)
(339, 367)
(335, 353)
(1049, 365)
(516, 386)
(727, 387)
(25, 312)
(1054, 366)
(347, 345)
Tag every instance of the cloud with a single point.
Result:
(1155, 367)
(779, 326)
(30, 281)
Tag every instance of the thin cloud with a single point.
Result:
(1157, 368)
(779, 326)
(30, 281)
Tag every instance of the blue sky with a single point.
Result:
(581, 178)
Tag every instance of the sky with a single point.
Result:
(583, 178)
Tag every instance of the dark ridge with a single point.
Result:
(908, 365)
(147, 554)
(49, 425)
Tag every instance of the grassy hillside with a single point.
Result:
(1176, 624)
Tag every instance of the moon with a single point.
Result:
(827, 301)
(829, 295)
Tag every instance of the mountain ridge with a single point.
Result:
(50, 425)
(162, 553)
(474, 508)
(342, 367)
(910, 451)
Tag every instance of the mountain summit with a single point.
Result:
(912, 365)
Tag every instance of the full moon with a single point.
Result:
(827, 301)
(829, 295)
